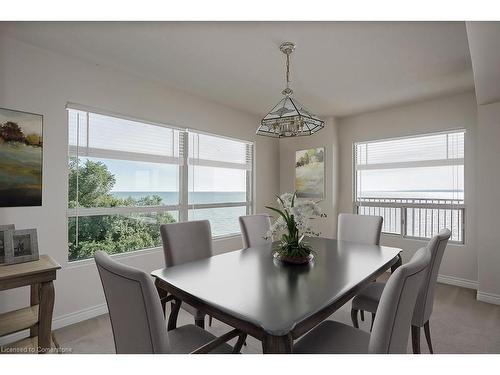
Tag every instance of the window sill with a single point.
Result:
(136, 253)
(423, 241)
(131, 254)
(226, 237)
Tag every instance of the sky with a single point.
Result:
(140, 176)
(422, 182)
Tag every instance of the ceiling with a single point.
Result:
(338, 68)
(484, 44)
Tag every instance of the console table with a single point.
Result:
(37, 317)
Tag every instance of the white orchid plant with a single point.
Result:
(294, 224)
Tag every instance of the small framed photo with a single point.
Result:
(20, 246)
(3, 229)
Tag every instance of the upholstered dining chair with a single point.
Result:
(137, 320)
(392, 323)
(253, 229)
(363, 229)
(186, 242)
(368, 298)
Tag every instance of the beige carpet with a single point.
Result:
(459, 324)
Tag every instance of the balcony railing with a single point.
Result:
(417, 218)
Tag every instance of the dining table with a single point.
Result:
(272, 301)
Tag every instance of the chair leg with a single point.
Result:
(373, 319)
(427, 331)
(241, 341)
(354, 318)
(362, 314)
(210, 321)
(163, 300)
(415, 339)
(200, 322)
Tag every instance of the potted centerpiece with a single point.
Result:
(293, 224)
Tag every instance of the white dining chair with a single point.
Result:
(137, 320)
(369, 297)
(392, 323)
(253, 229)
(363, 229)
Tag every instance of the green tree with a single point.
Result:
(11, 132)
(92, 182)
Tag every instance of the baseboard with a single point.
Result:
(79, 316)
(488, 297)
(457, 281)
(61, 321)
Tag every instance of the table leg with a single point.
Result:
(34, 300)
(46, 296)
(277, 344)
(395, 266)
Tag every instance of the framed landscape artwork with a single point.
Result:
(310, 173)
(20, 158)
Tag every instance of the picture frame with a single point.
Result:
(21, 246)
(21, 158)
(3, 229)
(310, 173)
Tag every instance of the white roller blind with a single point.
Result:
(103, 136)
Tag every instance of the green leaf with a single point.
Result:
(279, 212)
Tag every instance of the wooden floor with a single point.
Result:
(459, 324)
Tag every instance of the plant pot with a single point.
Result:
(293, 259)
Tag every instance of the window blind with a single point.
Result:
(213, 151)
(102, 136)
(429, 150)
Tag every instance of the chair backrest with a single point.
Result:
(363, 229)
(253, 230)
(395, 310)
(186, 242)
(425, 299)
(134, 308)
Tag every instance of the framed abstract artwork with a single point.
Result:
(310, 173)
(21, 150)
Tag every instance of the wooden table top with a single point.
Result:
(44, 264)
(252, 286)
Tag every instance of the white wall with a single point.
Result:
(40, 81)
(327, 138)
(453, 112)
(488, 177)
(484, 45)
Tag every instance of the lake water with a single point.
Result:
(417, 194)
(224, 221)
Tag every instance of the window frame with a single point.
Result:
(403, 204)
(183, 207)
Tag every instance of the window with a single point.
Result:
(127, 177)
(416, 184)
(219, 183)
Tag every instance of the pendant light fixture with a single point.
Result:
(289, 118)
